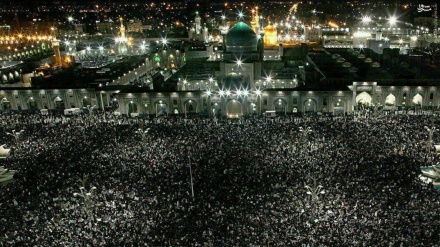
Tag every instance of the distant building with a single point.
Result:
(198, 32)
(241, 76)
(79, 28)
(106, 27)
(134, 26)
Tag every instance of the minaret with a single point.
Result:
(17, 20)
(255, 23)
(122, 47)
(198, 22)
(224, 28)
(257, 20)
(122, 29)
(56, 48)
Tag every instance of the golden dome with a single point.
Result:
(270, 28)
(270, 35)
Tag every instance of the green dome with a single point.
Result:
(241, 38)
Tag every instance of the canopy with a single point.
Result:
(4, 152)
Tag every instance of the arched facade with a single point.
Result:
(132, 108)
(339, 106)
(32, 103)
(58, 103)
(214, 104)
(310, 106)
(234, 108)
(390, 100)
(364, 100)
(417, 100)
(6, 104)
(280, 106)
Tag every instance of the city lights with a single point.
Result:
(392, 21)
(366, 19)
(208, 123)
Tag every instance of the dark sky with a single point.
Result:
(39, 2)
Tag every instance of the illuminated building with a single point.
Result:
(270, 35)
(239, 77)
(122, 40)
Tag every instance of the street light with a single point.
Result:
(191, 176)
(392, 21)
(16, 135)
(366, 19)
(90, 109)
(89, 200)
(305, 131)
(430, 135)
(315, 192)
(143, 133)
(89, 197)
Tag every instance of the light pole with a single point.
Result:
(143, 133)
(304, 133)
(16, 135)
(89, 200)
(314, 192)
(430, 135)
(90, 109)
(190, 174)
(376, 109)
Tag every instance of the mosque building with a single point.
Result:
(250, 71)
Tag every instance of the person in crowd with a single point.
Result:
(103, 180)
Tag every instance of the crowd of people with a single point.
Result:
(103, 180)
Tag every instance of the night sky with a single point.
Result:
(37, 2)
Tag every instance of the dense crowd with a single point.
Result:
(102, 180)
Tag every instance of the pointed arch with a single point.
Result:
(234, 109)
(364, 99)
(417, 99)
(390, 100)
